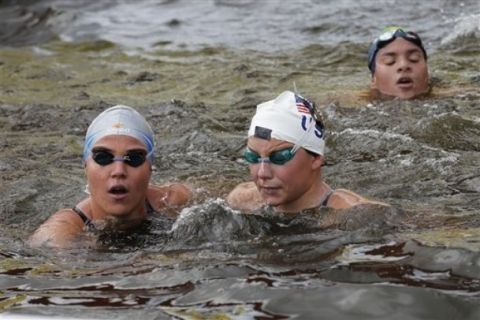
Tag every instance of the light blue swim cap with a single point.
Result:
(120, 120)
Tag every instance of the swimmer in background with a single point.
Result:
(285, 152)
(118, 155)
(398, 64)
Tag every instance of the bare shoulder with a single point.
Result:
(344, 199)
(168, 196)
(245, 196)
(58, 231)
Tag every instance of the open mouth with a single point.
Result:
(118, 190)
(405, 81)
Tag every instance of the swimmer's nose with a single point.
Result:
(119, 169)
(403, 64)
(265, 170)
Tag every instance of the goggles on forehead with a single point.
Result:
(390, 34)
(132, 158)
(278, 157)
(395, 32)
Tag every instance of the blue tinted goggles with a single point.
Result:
(278, 157)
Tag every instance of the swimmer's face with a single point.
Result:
(284, 186)
(400, 70)
(117, 189)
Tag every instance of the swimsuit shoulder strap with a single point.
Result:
(324, 201)
(88, 223)
(149, 208)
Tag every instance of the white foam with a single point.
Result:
(464, 25)
(375, 134)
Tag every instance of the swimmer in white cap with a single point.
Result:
(118, 155)
(285, 149)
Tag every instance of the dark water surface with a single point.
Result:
(196, 70)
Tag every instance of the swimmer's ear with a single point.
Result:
(85, 168)
(317, 162)
(373, 82)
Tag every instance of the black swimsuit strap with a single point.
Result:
(327, 197)
(91, 226)
(149, 208)
(88, 223)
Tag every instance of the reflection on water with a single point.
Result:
(205, 66)
(187, 24)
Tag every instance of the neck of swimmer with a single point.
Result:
(120, 220)
(312, 198)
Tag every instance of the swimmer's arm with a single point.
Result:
(59, 231)
(170, 196)
(344, 199)
(245, 197)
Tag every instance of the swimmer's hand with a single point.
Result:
(245, 197)
(171, 197)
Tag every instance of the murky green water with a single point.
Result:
(198, 87)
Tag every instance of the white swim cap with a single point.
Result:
(120, 120)
(288, 117)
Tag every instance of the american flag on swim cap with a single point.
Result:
(302, 104)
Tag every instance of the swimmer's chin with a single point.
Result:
(376, 94)
(269, 201)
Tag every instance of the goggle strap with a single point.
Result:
(149, 155)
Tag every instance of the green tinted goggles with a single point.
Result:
(278, 157)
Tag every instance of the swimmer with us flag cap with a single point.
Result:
(118, 156)
(285, 153)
